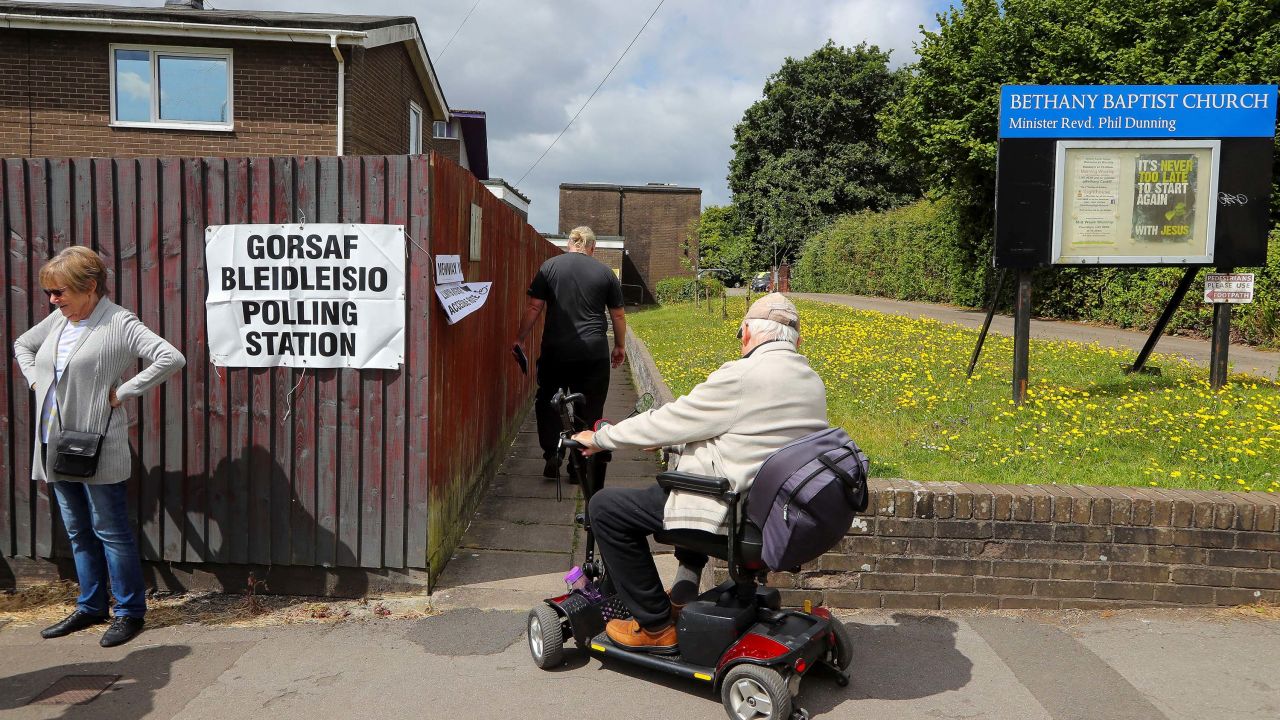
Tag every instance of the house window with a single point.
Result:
(173, 87)
(443, 130)
(415, 129)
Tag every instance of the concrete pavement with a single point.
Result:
(470, 660)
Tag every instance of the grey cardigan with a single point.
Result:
(112, 342)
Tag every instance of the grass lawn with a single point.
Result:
(897, 385)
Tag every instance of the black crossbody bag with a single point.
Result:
(77, 452)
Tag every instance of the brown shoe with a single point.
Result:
(628, 634)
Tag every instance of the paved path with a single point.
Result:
(1243, 358)
(471, 660)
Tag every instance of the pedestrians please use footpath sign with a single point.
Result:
(321, 295)
(1228, 288)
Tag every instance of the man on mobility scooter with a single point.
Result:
(774, 488)
(728, 425)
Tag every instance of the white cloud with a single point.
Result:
(133, 85)
(665, 115)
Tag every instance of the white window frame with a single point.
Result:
(449, 133)
(415, 143)
(171, 50)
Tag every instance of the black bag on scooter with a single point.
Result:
(805, 496)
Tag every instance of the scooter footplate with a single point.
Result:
(602, 646)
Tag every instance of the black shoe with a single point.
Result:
(122, 630)
(552, 469)
(75, 622)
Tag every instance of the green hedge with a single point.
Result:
(681, 289)
(914, 253)
(909, 253)
(1135, 298)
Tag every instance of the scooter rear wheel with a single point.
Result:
(546, 637)
(843, 651)
(754, 692)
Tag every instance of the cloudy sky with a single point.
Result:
(668, 111)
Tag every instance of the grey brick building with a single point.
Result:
(655, 222)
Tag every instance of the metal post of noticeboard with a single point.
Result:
(986, 324)
(1218, 346)
(1158, 330)
(1021, 335)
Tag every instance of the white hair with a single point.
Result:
(770, 330)
(582, 239)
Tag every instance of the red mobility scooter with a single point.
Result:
(736, 638)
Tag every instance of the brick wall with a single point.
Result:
(656, 225)
(596, 208)
(55, 99)
(611, 257)
(949, 545)
(380, 83)
(448, 147)
(655, 222)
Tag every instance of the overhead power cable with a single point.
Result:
(593, 93)
(455, 32)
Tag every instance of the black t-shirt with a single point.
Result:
(577, 288)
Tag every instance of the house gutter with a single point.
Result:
(21, 21)
(342, 87)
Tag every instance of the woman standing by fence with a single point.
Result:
(73, 360)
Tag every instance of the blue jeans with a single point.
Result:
(102, 542)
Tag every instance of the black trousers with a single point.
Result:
(622, 519)
(589, 377)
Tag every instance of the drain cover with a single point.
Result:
(74, 689)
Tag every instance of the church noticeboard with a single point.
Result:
(1135, 201)
(1134, 175)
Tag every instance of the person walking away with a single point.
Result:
(575, 291)
(73, 360)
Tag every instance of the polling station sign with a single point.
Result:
(1137, 111)
(319, 295)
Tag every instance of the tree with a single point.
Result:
(723, 242)
(809, 150)
(945, 122)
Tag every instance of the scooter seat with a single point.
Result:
(750, 544)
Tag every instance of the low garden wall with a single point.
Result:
(953, 545)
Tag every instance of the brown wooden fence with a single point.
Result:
(275, 466)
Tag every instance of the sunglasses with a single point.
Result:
(739, 332)
(54, 292)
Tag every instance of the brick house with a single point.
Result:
(655, 222)
(463, 138)
(180, 79)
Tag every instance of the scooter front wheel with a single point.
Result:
(546, 637)
(753, 692)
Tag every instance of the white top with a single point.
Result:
(66, 342)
